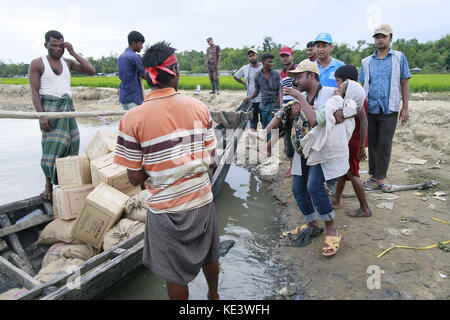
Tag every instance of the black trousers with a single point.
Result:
(381, 132)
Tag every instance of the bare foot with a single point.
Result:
(359, 213)
(47, 193)
(213, 296)
(335, 204)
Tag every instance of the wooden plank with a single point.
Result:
(25, 225)
(18, 275)
(59, 115)
(22, 204)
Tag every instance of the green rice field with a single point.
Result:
(418, 82)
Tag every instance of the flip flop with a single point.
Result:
(383, 187)
(358, 213)
(333, 245)
(369, 183)
(297, 230)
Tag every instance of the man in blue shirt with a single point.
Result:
(130, 68)
(385, 76)
(327, 67)
(326, 63)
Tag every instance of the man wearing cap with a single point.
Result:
(327, 67)
(249, 72)
(287, 59)
(326, 63)
(212, 64)
(311, 51)
(385, 76)
(308, 181)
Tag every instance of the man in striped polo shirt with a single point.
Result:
(169, 142)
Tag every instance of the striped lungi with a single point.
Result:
(177, 245)
(63, 139)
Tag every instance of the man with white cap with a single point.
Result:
(385, 75)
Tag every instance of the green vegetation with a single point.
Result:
(418, 82)
(431, 57)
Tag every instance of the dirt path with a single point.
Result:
(407, 274)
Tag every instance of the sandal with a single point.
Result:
(297, 230)
(358, 213)
(369, 183)
(333, 245)
(383, 187)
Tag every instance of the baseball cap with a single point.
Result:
(252, 50)
(286, 50)
(305, 65)
(323, 37)
(383, 29)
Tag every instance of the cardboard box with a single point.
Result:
(104, 170)
(68, 203)
(73, 171)
(133, 190)
(103, 208)
(103, 143)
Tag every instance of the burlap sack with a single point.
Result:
(69, 251)
(12, 294)
(57, 268)
(58, 231)
(136, 207)
(122, 231)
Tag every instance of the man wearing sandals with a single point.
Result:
(308, 181)
(385, 76)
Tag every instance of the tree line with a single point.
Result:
(431, 57)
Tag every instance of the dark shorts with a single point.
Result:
(178, 245)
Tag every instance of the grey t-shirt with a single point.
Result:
(249, 73)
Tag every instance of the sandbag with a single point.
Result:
(57, 268)
(123, 230)
(136, 207)
(69, 251)
(58, 231)
(12, 294)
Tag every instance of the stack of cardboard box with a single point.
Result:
(92, 189)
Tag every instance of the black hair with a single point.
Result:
(316, 76)
(153, 57)
(266, 56)
(310, 44)
(53, 34)
(347, 71)
(135, 36)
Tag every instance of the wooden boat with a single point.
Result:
(100, 272)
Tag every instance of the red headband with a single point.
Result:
(153, 72)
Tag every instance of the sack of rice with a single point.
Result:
(12, 294)
(122, 231)
(57, 268)
(136, 207)
(58, 231)
(66, 250)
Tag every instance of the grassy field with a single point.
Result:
(418, 82)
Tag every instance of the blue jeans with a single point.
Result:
(266, 113)
(310, 193)
(129, 106)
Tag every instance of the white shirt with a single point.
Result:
(249, 73)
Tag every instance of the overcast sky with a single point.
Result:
(97, 28)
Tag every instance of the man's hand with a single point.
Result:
(339, 116)
(45, 124)
(292, 92)
(404, 115)
(247, 100)
(362, 153)
(69, 48)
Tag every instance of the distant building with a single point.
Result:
(415, 70)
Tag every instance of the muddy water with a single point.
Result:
(245, 214)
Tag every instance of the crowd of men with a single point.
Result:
(325, 116)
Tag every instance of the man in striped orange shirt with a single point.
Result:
(169, 142)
